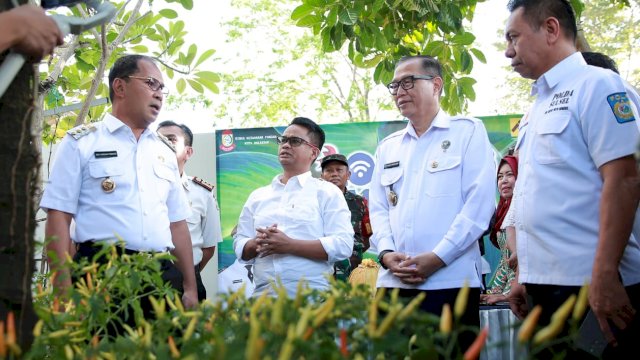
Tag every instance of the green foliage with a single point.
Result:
(284, 73)
(329, 324)
(610, 28)
(378, 33)
(158, 33)
(342, 322)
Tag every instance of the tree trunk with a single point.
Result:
(19, 166)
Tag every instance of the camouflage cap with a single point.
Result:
(334, 157)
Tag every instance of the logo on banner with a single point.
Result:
(226, 141)
(361, 164)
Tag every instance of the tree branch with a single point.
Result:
(70, 49)
(171, 67)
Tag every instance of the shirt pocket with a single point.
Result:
(105, 168)
(303, 210)
(551, 147)
(388, 179)
(443, 176)
(99, 171)
(165, 178)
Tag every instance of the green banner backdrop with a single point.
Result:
(246, 159)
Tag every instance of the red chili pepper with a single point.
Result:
(343, 343)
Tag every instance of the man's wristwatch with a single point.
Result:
(381, 255)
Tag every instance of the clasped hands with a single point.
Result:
(412, 270)
(270, 240)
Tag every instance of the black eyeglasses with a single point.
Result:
(407, 82)
(294, 141)
(153, 84)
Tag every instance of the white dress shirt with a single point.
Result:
(578, 123)
(445, 186)
(147, 195)
(305, 208)
(204, 222)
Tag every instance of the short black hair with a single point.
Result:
(316, 134)
(188, 135)
(429, 64)
(600, 60)
(537, 11)
(125, 66)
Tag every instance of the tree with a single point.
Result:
(75, 73)
(285, 73)
(133, 30)
(19, 161)
(608, 26)
(377, 33)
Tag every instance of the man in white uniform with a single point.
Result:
(575, 200)
(432, 195)
(204, 222)
(118, 179)
(297, 227)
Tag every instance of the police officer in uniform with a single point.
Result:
(335, 169)
(204, 222)
(118, 179)
(575, 199)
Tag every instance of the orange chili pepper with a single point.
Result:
(11, 329)
(473, 352)
(3, 346)
(307, 334)
(172, 347)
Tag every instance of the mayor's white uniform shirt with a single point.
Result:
(580, 120)
(304, 208)
(204, 221)
(445, 186)
(147, 195)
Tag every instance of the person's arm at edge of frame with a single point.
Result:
(57, 233)
(618, 204)
(183, 252)
(29, 30)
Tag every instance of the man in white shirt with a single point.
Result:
(297, 227)
(575, 198)
(118, 179)
(204, 221)
(432, 195)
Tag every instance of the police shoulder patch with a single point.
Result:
(621, 107)
(203, 183)
(81, 130)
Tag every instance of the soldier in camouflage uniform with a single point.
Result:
(335, 169)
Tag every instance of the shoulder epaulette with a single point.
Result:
(392, 135)
(203, 183)
(468, 118)
(81, 130)
(166, 141)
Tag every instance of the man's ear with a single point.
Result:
(438, 82)
(551, 27)
(188, 153)
(118, 87)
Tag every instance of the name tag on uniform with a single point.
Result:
(392, 165)
(105, 154)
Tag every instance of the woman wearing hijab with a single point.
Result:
(500, 284)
